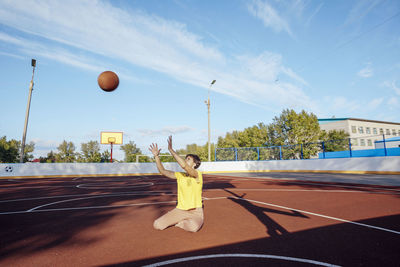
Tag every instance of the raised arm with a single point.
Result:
(156, 153)
(182, 162)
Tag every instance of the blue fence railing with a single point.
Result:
(343, 148)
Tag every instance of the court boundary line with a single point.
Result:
(178, 260)
(319, 215)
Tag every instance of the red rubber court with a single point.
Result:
(259, 219)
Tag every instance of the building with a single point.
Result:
(363, 133)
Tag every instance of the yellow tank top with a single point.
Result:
(189, 191)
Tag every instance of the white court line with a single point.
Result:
(299, 181)
(105, 186)
(308, 182)
(265, 256)
(315, 214)
(303, 190)
(140, 193)
(86, 208)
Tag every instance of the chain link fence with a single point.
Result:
(344, 148)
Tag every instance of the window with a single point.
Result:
(387, 132)
(380, 131)
(374, 131)
(354, 142)
(360, 130)
(369, 142)
(353, 129)
(362, 142)
(367, 130)
(394, 132)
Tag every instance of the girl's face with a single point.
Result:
(190, 161)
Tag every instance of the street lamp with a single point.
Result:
(209, 130)
(21, 155)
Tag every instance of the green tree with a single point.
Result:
(51, 157)
(335, 140)
(254, 136)
(106, 156)
(10, 150)
(66, 152)
(91, 151)
(293, 129)
(230, 140)
(131, 151)
(201, 151)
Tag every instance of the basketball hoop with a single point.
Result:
(111, 138)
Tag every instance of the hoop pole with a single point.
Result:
(111, 152)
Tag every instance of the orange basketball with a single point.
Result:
(108, 81)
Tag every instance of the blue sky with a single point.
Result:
(333, 58)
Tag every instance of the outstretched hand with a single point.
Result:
(154, 149)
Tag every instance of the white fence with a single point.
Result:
(382, 165)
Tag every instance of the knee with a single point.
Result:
(157, 225)
(194, 227)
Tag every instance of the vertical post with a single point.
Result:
(215, 154)
(236, 157)
(21, 155)
(280, 152)
(209, 129)
(384, 145)
(301, 146)
(111, 152)
(258, 153)
(351, 154)
(323, 149)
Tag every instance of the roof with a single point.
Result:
(322, 121)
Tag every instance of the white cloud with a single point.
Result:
(170, 130)
(360, 10)
(269, 16)
(366, 72)
(76, 33)
(392, 85)
(316, 11)
(12, 55)
(375, 103)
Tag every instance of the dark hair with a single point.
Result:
(196, 159)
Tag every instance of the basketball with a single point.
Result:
(108, 81)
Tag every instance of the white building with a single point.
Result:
(363, 133)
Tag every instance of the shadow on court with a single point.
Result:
(273, 228)
(66, 211)
(342, 244)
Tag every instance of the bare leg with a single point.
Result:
(187, 220)
(170, 218)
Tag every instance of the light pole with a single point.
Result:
(21, 155)
(209, 130)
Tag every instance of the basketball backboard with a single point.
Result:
(114, 138)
